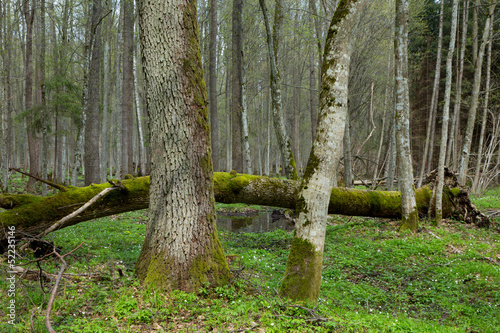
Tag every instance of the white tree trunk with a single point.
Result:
(477, 174)
(402, 114)
(446, 113)
(305, 261)
(464, 160)
(105, 116)
(142, 147)
(284, 142)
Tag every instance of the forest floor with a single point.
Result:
(375, 279)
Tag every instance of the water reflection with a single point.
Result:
(260, 222)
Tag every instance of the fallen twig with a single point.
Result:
(56, 285)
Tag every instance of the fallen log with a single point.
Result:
(32, 214)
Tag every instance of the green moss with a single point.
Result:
(410, 222)
(129, 176)
(303, 273)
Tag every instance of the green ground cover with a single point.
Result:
(375, 279)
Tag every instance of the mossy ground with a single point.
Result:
(375, 279)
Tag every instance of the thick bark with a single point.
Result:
(181, 248)
(402, 118)
(31, 214)
(104, 156)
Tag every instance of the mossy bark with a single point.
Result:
(31, 214)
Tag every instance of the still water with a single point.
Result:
(259, 222)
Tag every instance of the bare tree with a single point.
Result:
(446, 111)
(464, 160)
(402, 123)
(302, 278)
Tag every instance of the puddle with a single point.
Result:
(260, 222)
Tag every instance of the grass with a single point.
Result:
(375, 279)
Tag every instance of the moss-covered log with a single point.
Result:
(32, 215)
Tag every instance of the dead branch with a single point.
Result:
(48, 182)
(62, 221)
(56, 285)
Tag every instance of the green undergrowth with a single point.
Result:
(490, 200)
(375, 279)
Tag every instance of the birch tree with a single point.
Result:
(181, 248)
(446, 112)
(471, 120)
(284, 141)
(302, 278)
(402, 121)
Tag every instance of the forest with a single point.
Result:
(142, 141)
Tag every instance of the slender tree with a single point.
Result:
(237, 84)
(127, 107)
(402, 121)
(92, 128)
(302, 278)
(471, 120)
(212, 86)
(284, 141)
(446, 111)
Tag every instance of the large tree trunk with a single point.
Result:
(31, 214)
(181, 248)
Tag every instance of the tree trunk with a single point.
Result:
(477, 174)
(348, 179)
(302, 278)
(181, 249)
(237, 83)
(105, 117)
(212, 86)
(453, 141)
(464, 160)
(127, 88)
(446, 112)
(92, 128)
(402, 123)
(244, 122)
(33, 139)
(429, 138)
(141, 165)
(284, 142)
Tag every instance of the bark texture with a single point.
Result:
(284, 142)
(402, 117)
(181, 249)
(305, 262)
